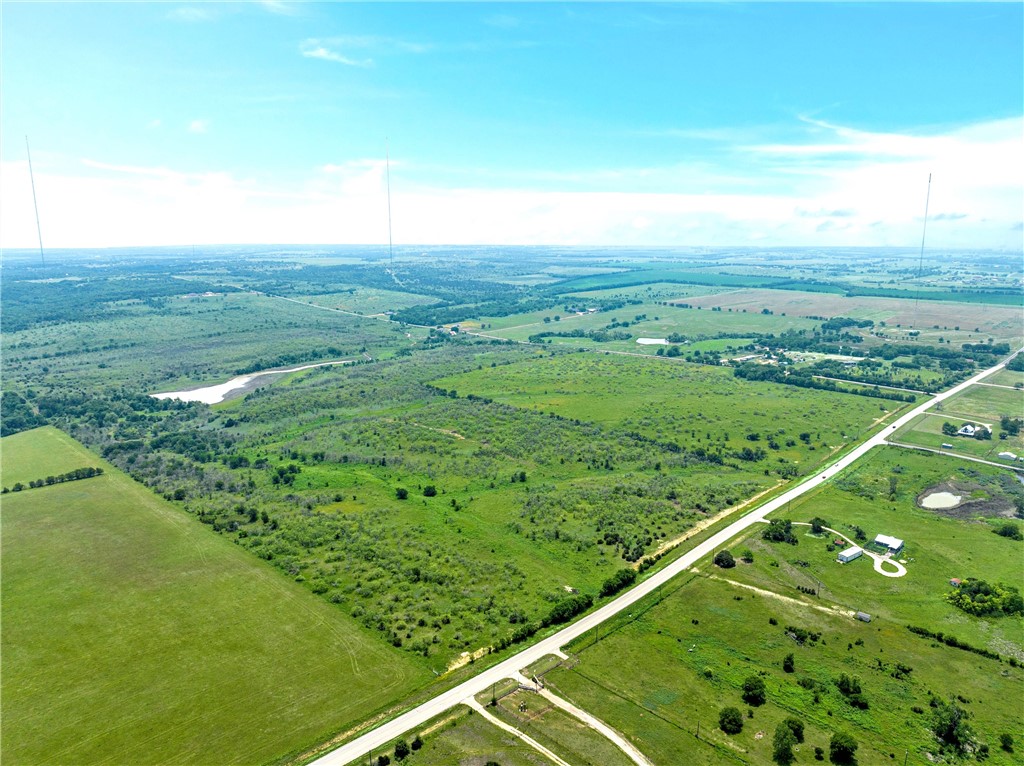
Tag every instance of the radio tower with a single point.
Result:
(32, 178)
(387, 166)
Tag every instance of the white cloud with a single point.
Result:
(192, 13)
(976, 199)
(198, 126)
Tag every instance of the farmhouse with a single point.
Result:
(967, 429)
(849, 554)
(894, 544)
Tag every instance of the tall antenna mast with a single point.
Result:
(920, 262)
(387, 165)
(35, 204)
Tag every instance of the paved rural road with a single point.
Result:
(377, 738)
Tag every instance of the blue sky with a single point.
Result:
(526, 123)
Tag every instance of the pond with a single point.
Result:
(941, 500)
(220, 391)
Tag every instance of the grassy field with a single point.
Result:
(467, 739)
(1006, 378)
(133, 635)
(986, 403)
(560, 732)
(692, 405)
(31, 455)
(367, 300)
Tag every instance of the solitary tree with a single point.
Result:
(949, 722)
(753, 691)
(730, 720)
(429, 491)
(789, 663)
(797, 727)
(724, 560)
(401, 493)
(842, 748)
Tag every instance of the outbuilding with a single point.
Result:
(849, 554)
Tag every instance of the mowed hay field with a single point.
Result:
(133, 635)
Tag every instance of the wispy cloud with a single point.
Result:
(502, 21)
(327, 50)
(199, 126)
(193, 13)
(281, 7)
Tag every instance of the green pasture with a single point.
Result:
(678, 660)
(940, 545)
(134, 635)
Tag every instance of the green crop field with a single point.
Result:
(37, 454)
(367, 300)
(1010, 378)
(133, 635)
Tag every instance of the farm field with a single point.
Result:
(133, 635)
(977, 322)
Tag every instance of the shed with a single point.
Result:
(1008, 455)
(849, 554)
(863, 616)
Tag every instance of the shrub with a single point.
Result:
(780, 531)
(401, 493)
(1006, 742)
(788, 663)
(949, 724)
(402, 749)
(429, 491)
(730, 720)
(818, 525)
(842, 748)
(753, 691)
(724, 560)
(618, 581)
(417, 743)
(1009, 529)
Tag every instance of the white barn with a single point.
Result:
(849, 554)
